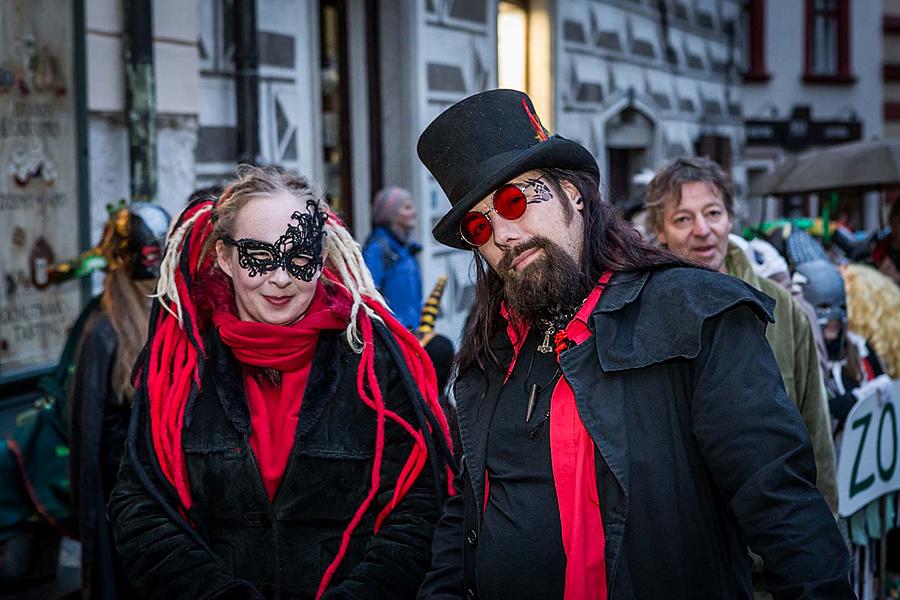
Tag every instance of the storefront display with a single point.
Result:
(39, 182)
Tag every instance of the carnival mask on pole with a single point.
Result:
(133, 239)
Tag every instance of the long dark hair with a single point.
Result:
(610, 243)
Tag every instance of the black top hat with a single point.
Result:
(483, 141)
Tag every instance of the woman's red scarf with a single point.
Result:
(274, 408)
(171, 373)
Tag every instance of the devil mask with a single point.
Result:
(148, 224)
(298, 250)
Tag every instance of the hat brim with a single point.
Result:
(556, 152)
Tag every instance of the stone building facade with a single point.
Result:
(642, 82)
(812, 78)
(346, 86)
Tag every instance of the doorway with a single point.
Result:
(336, 140)
(630, 137)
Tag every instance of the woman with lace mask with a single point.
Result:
(286, 439)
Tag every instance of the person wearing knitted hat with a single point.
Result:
(286, 439)
(390, 253)
(625, 432)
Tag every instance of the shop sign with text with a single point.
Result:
(39, 216)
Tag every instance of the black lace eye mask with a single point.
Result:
(298, 250)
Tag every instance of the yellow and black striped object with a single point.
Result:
(425, 330)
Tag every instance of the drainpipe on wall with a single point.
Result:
(140, 97)
(246, 62)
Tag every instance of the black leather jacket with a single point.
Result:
(98, 427)
(243, 546)
(699, 452)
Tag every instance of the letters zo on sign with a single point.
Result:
(868, 464)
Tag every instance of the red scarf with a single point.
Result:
(574, 472)
(274, 409)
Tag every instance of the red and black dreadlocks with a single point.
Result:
(171, 366)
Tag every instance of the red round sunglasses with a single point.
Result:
(508, 201)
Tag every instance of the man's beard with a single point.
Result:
(550, 286)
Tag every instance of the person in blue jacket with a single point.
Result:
(390, 254)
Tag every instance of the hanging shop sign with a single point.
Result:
(869, 463)
(39, 216)
(800, 131)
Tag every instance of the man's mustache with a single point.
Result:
(505, 264)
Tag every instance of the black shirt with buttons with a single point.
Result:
(519, 552)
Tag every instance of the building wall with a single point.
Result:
(289, 131)
(891, 68)
(613, 84)
(860, 100)
(639, 75)
(456, 57)
(675, 70)
(176, 65)
(784, 51)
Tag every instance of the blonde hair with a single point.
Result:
(343, 254)
(873, 303)
(126, 303)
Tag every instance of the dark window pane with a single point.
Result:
(573, 31)
(290, 151)
(470, 10)
(445, 78)
(609, 40)
(825, 45)
(216, 144)
(590, 92)
(276, 49)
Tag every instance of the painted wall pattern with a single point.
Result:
(286, 88)
(673, 62)
(458, 58)
(642, 76)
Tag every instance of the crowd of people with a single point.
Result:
(264, 407)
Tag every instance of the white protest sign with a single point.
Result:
(869, 464)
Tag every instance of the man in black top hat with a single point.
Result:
(625, 434)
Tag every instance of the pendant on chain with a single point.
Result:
(545, 346)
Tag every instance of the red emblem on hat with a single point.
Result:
(535, 123)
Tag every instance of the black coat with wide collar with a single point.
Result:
(241, 545)
(700, 454)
